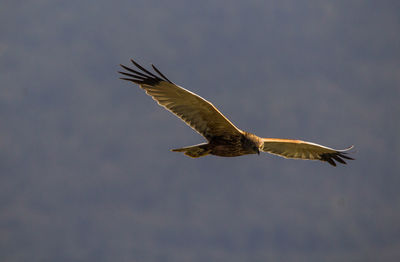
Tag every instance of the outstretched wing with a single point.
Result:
(304, 150)
(194, 110)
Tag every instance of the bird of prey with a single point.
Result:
(223, 137)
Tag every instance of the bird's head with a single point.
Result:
(252, 143)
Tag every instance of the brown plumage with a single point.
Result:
(224, 139)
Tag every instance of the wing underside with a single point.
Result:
(298, 149)
(194, 110)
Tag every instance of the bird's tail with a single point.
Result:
(194, 151)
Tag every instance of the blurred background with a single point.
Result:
(85, 168)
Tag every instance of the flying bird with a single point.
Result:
(223, 137)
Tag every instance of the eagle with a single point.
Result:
(223, 138)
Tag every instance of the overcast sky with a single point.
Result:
(85, 168)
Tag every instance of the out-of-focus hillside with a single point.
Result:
(85, 168)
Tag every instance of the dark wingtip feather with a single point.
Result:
(133, 76)
(144, 69)
(338, 159)
(144, 77)
(132, 80)
(336, 156)
(161, 74)
(344, 155)
(330, 161)
(134, 71)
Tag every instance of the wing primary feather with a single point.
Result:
(161, 74)
(345, 156)
(337, 158)
(144, 70)
(330, 161)
(133, 76)
(133, 71)
(132, 80)
(330, 157)
(138, 77)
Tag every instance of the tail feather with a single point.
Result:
(194, 151)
